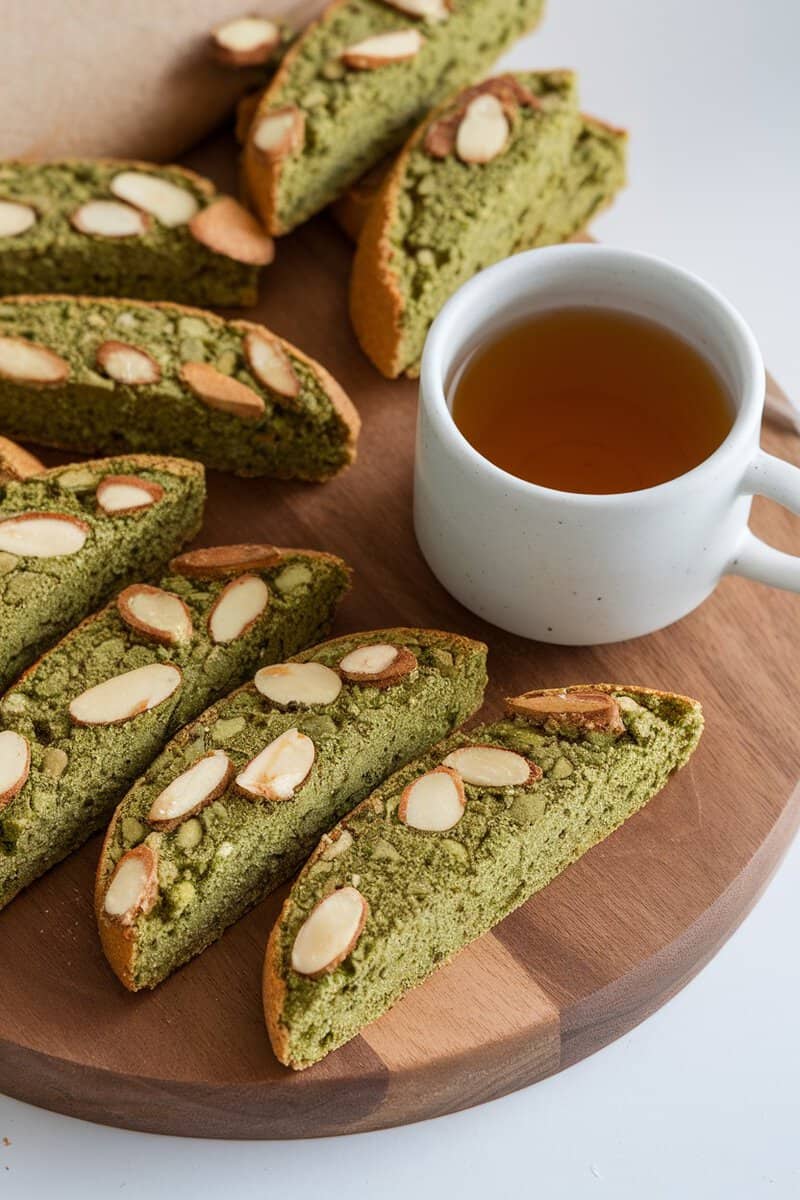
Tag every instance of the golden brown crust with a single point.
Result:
(341, 402)
(351, 210)
(16, 463)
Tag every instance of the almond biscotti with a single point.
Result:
(92, 713)
(237, 801)
(453, 843)
(74, 535)
(98, 375)
(353, 86)
(17, 463)
(108, 227)
(504, 166)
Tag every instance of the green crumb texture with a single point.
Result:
(164, 262)
(238, 849)
(78, 773)
(353, 118)
(308, 436)
(42, 598)
(439, 891)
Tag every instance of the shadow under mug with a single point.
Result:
(583, 569)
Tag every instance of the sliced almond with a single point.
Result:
(329, 933)
(222, 392)
(383, 49)
(440, 139)
(429, 10)
(281, 767)
(127, 364)
(298, 683)
(434, 802)
(15, 764)
(118, 495)
(198, 786)
(280, 132)
(270, 364)
(27, 362)
(170, 204)
(492, 766)
(125, 696)
(225, 227)
(484, 130)
(239, 605)
(134, 885)
(110, 218)
(379, 665)
(215, 562)
(42, 535)
(16, 218)
(245, 41)
(157, 614)
(581, 709)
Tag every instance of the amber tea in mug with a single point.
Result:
(591, 400)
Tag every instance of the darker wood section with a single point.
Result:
(607, 943)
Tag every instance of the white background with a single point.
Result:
(703, 1100)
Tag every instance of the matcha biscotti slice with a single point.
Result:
(92, 713)
(238, 800)
(72, 536)
(504, 166)
(354, 85)
(108, 227)
(453, 843)
(101, 375)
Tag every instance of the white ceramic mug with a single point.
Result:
(582, 569)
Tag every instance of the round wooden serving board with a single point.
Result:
(581, 963)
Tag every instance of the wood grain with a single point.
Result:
(581, 963)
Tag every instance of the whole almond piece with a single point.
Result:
(434, 802)
(127, 364)
(15, 764)
(581, 709)
(378, 665)
(484, 130)
(239, 605)
(119, 495)
(245, 41)
(170, 204)
(158, 614)
(133, 887)
(329, 933)
(229, 229)
(298, 683)
(27, 362)
(215, 562)
(125, 696)
(383, 49)
(191, 791)
(270, 364)
(222, 392)
(42, 535)
(16, 218)
(279, 133)
(110, 219)
(492, 766)
(280, 769)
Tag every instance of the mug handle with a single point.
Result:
(778, 480)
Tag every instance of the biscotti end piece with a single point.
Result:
(16, 463)
(96, 709)
(170, 379)
(451, 844)
(109, 227)
(334, 109)
(308, 739)
(62, 554)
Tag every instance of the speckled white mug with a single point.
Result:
(582, 569)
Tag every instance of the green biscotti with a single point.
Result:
(104, 227)
(93, 712)
(72, 536)
(453, 843)
(504, 166)
(237, 801)
(353, 86)
(101, 375)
